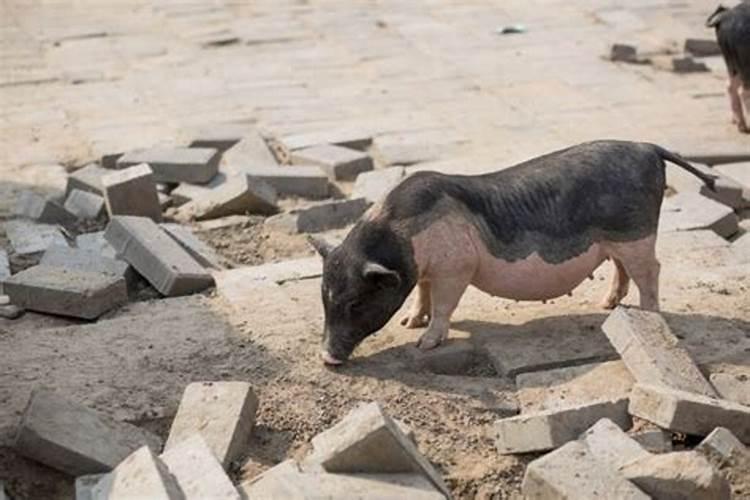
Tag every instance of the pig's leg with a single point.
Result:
(639, 260)
(446, 292)
(419, 312)
(746, 100)
(619, 287)
(734, 89)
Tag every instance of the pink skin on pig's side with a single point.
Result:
(450, 255)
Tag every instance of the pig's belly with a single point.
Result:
(532, 278)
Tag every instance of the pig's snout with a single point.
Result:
(329, 359)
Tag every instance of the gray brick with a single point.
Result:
(220, 137)
(74, 439)
(545, 430)
(375, 185)
(250, 152)
(320, 217)
(95, 242)
(198, 473)
(726, 190)
(88, 179)
(141, 475)
(156, 256)
(67, 292)
(690, 211)
(651, 352)
(44, 210)
(573, 472)
(610, 445)
(346, 137)
(84, 205)
(132, 191)
(338, 162)
(187, 192)
(200, 251)
(367, 440)
(723, 444)
(28, 238)
(626, 52)
(690, 413)
(86, 260)
(197, 165)
(296, 180)
(223, 413)
(702, 47)
(240, 194)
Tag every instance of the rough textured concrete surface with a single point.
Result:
(132, 191)
(140, 476)
(85, 260)
(338, 162)
(197, 165)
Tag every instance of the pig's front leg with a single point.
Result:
(419, 312)
(445, 293)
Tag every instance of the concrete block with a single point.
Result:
(294, 180)
(250, 152)
(573, 385)
(654, 440)
(187, 192)
(691, 211)
(84, 205)
(240, 194)
(690, 413)
(347, 137)
(451, 358)
(132, 191)
(677, 475)
(41, 209)
(375, 185)
(319, 217)
(197, 471)
(200, 251)
(86, 486)
(141, 475)
(74, 439)
(196, 165)
(681, 65)
(726, 190)
(338, 162)
(714, 156)
(625, 52)
(610, 445)
(220, 137)
(368, 441)
(67, 292)
(550, 429)
(702, 47)
(95, 242)
(86, 260)
(223, 413)
(652, 353)
(156, 256)
(278, 272)
(28, 238)
(87, 179)
(573, 472)
(722, 444)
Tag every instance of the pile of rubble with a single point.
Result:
(366, 455)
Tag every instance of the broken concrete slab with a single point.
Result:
(156, 256)
(453, 357)
(66, 292)
(250, 152)
(132, 191)
(680, 474)
(200, 251)
(323, 216)
(29, 238)
(140, 475)
(702, 47)
(573, 385)
(41, 209)
(376, 184)
(722, 443)
(87, 179)
(348, 137)
(240, 194)
(86, 260)
(545, 430)
(84, 205)
(223, 413)
(654, 440)
(340, 163)
(573, 472)
(690, 211)
(96, 243)
(296, 180)
(690, 413)
(726, 190)
(74, 439)
(196, 165)
(652, 352)
(197, 471)
(278, 272)
(610, 445)
(367, 440)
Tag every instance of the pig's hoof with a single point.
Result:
(412, 321)
(744, 129)
(430, 340)
(609, 302)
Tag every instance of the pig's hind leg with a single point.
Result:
(734, 90)
(619, 287)
(640, 263)
(419, 312)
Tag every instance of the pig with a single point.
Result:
(733, 34)
(533, 231)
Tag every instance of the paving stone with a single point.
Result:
(451, 358)
(87, 179)
(654, 440)
(29, 238)
(296, 180)
(278, 272)
(240, 194)
(375, 185)
(723, 444)
(651, 351)
(726, 190)
(132, 191)
(573, 472)
(197, 471)
(319, 217)
(84, 205)
(223, 413)
(680, 65)
(141, 475)
(690, 211)
(702, 47)
(347, 137)
(200, 251)
(367, 440)
(186, 192)
(95, 242)
(156, 256)
(40, 209)
(710, 156)
(196, 165)
(67, 292)
(86, 486)
(338, 162)
(573, 385)
(677, 475)
(86, 260)
(74, 439)
(250, 152)
(610, 445)
(690, 413)
(545, 430)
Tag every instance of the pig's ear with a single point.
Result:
(320, 245)
(381, 275)
(715, 18)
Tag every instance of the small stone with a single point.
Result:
(688, 65)
(733, 385)
(319, 217)
(197, 471)
(196, 165)
(84, 205)
(132, 191)
(726, 190)
(141, 475)
(338, 162)
(624, 52)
